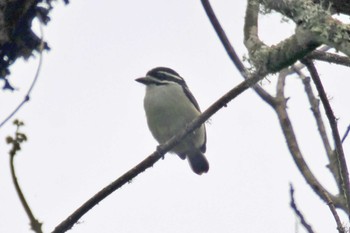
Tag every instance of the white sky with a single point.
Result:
(86, 126)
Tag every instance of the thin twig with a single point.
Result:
(331, 206)
(16, 146)
(250, 24)
(293, 205)
(36, 76)
(345, 134)
(159, 153)
(292, 143)
(34, 223)
(223, 38)
(231, 51)
(333, 123)
(333, 165)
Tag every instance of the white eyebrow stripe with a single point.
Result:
(156, 80)
(171, 75)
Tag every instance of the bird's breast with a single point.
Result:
(168, 110)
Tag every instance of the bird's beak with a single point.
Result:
(143, 80)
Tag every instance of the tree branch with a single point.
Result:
(277, 103)
(296, 68)
(223, 38)
(159, 153)
(333, 163)
(279, 56)
(339, 6)
(345, 134)
(293, 205)
(16, 146)
(315, 24)
(331, 206)
(329, 57)
(293, 146)
(36, 76)
(251, 37)
(231, 51)
(333, 123)
(34, 223)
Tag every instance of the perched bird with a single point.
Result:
(169, 107)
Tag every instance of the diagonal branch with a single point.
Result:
(329, 57)
(41, 47)
(344, 174)
(331, 206)
(293, 146)
(293, 205)
(279, 102)
(333, 164)
(159, 153)
(231, 51)
(345, 134)
(223, 37)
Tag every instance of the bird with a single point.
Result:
(170, 106)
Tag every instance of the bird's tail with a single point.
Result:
(198, 162)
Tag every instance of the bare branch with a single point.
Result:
(293, 205)
(231, 51)
(333, 123)
(293, 146)
(345, 134)
(333, 163)
(159, 153)
(276, 57)
(16, 146)
(329, 57)
(35, 79)
(34, 223)
(223, 38)
(331, 206)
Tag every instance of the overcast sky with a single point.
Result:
(86, 126)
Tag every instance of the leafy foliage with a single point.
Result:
(17, 39)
